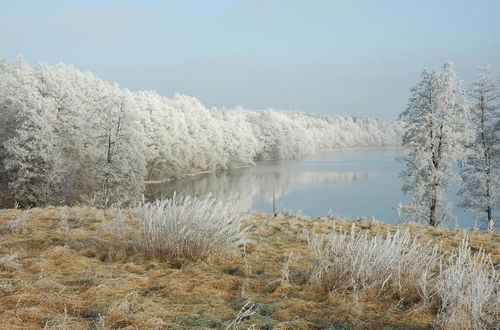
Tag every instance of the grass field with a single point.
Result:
(63, 268)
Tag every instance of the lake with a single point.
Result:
(348, 184)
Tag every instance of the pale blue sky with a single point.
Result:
(346, 57)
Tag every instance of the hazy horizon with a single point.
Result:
(334, 57)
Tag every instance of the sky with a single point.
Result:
(334, 57)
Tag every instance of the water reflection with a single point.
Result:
(263, 182)
(268, 181)
(351, 184)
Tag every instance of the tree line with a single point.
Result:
(67, 136)
(447, 125)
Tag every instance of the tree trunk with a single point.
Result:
(487, 164)
(491, 222)
(432, 215)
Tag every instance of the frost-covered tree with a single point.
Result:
(239, 144)
(66, 135)
(60, 85)
(119, 164)
(435, 127)
(480, 190)
(32, 158)
(7, 126)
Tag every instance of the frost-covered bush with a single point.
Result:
(19, 223)
(190, 228)
(465, 286)
(10, 261)
(469, 291)
(354, 263)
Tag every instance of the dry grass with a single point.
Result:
(394, 264)
(69, 273)
(469, 292)
(464, 286)
(19, 223)
(189, 228)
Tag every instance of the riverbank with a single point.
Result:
(357, 149)
(57, 269)
(193, 174)
(256, 162)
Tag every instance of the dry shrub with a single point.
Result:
(64, 225)
(119, 312)
(190, 228)
(118, 228)
(469, 292)
(464, 286)
(19, 223)
(245, 312)
(354, 263)
(10, 262)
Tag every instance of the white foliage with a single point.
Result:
(32, 160)
(67, 135)
(480, 173)
(10, 261)
(436, 129)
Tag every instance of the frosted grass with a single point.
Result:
(190, 228)
(464, 285)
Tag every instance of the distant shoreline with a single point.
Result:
(357, 149)
(194, 174)
(183, 176)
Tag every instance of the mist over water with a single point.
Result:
(348, 184)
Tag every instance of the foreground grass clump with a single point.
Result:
(464, 286)
(190, 229)
(468, 291)
(394, 264)
(82, 267)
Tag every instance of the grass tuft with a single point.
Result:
(351, 262)
(19, 224)
(190, 229)
(10, 262)
(469, 291)
(464, 286)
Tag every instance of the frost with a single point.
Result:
(436, 132)
(480, 173)
(68, 136)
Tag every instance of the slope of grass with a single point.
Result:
(65, 268)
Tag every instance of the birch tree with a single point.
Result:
(435, 124)
(481, 170)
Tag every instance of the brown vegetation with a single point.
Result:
(63, 269)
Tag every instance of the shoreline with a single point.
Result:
(188, 175)
(193, 174)
(358, 149)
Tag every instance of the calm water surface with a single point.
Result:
(348, 184)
